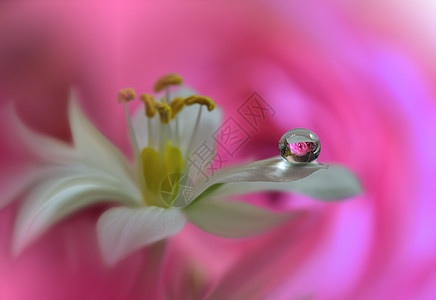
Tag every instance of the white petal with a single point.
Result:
(16, 177)
(66, 190)
(93, 148)
(274, 170)
(121, 231)
(233, 219)
(334, 183)
(42, 146)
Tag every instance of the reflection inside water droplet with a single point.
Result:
(299, 145)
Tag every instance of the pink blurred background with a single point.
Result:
(361, 74)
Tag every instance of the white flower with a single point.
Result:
(148, 208)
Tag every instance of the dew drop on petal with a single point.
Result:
(299, 145)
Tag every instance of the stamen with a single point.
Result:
(202, 100)
(131, 131)
(164, 112)
(176, 106)
(126, 95)
(190, 144)
(150, 105)
(194, 133)
(150, 133)
(136, 150)
(177, 142)
(167, 94)
(167, 80)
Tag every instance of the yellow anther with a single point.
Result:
(202, 100)
(164, 112)
(126, 95)
(167, 80)
(176, 106)
(150, 105)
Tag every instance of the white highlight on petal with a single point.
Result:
(234, 219)
(122, 231)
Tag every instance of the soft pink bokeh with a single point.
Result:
(332, 68)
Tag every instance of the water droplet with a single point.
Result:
(299, 145)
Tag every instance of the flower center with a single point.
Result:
(160, 171)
